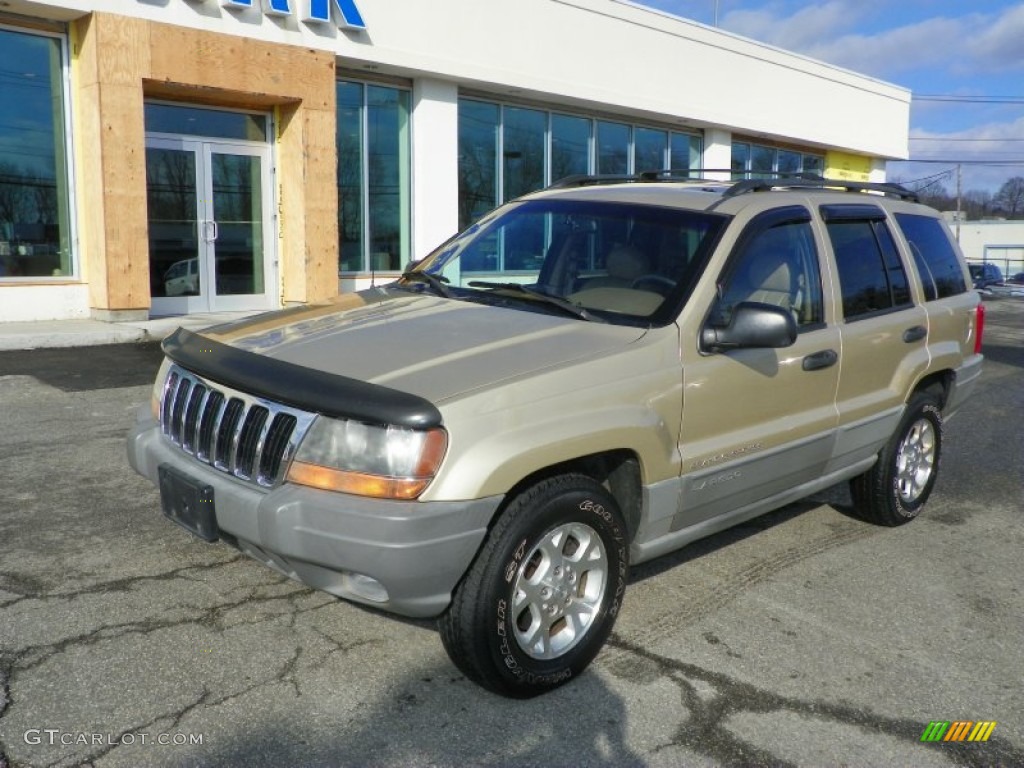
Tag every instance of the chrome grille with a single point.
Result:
(245, 436)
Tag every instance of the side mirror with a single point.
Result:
(753, 324)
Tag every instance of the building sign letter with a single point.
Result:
(317, 11)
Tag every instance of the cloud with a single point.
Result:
(997, 44)
(961, 45)
(800, 31)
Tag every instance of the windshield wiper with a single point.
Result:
(435, 282)
(526, 291)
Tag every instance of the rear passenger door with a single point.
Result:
(884, 334)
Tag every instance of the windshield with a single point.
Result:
(616, 262)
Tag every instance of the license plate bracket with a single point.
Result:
(188, 502)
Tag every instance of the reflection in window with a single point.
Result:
(777, 266)
(523, 151)
(478, 154)
(199, 121)
(570, 146)
(685, 151)
(373, 177)
(173, 229)
(871, 275)
(937, 262)
(237, 204)
(612, 147)
(762, 161)
(758, 161)
(649, 150)
(349, 143)
(540, 147)
(35, 229)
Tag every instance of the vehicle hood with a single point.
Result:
(429, 346)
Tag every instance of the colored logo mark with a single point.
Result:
(958, 730)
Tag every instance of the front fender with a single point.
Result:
(631, 401)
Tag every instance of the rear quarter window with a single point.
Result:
(934, 254)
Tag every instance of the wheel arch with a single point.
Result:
(618, 471)
(939, 383)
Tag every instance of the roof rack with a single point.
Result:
(665, 175)
(767, 181)
(697, 175)
(810, 181)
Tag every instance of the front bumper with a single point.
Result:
(417, 551)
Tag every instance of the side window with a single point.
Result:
(778, 265)
(871, 274)
(934, 255)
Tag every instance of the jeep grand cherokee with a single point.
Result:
(588, 377)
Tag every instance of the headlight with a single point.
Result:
(353, 457)
(156, 397)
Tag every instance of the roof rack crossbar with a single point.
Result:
(809, 181)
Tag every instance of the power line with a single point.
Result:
(968, 99)
(939, 138)
(955, 161)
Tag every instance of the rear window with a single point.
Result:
(871, 275)
(934, 255)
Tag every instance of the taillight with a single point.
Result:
(979, 327)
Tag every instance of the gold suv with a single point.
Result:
(588, 377)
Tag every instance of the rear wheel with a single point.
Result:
(895, 489)
(540, 600)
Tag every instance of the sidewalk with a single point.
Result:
(83, 333)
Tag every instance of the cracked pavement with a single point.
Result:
(804, 637)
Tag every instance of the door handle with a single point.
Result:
(916, 333)
(824, 359)
(210, 230)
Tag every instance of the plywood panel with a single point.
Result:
(119, 62)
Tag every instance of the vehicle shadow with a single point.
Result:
(711, 544)
(438, 718)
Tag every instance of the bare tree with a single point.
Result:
(1010, 197)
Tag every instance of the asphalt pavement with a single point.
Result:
(803, 638)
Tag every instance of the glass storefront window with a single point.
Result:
(35, 217)
(788, 162)
(570, 146)
(537, 148)
(762, 160)
(523, 151)
(478, 155)
(685, 151)
(814, 164)
(649, 150)
(740, 160)
(755, 161)
(612, 148)
(374, 194)
(349, 143)
(388, 168)
(197, 121)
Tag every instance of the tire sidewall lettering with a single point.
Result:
(503, 636)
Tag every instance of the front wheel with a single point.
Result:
(895, 489)
(540, 600)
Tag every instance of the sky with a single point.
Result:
(963, 61)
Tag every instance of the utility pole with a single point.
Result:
(716, 13)
(959, 180)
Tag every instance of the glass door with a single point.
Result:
(209, 214)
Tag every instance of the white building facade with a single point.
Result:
(206, 155)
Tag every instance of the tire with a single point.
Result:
(543, 593)
(895, 489)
